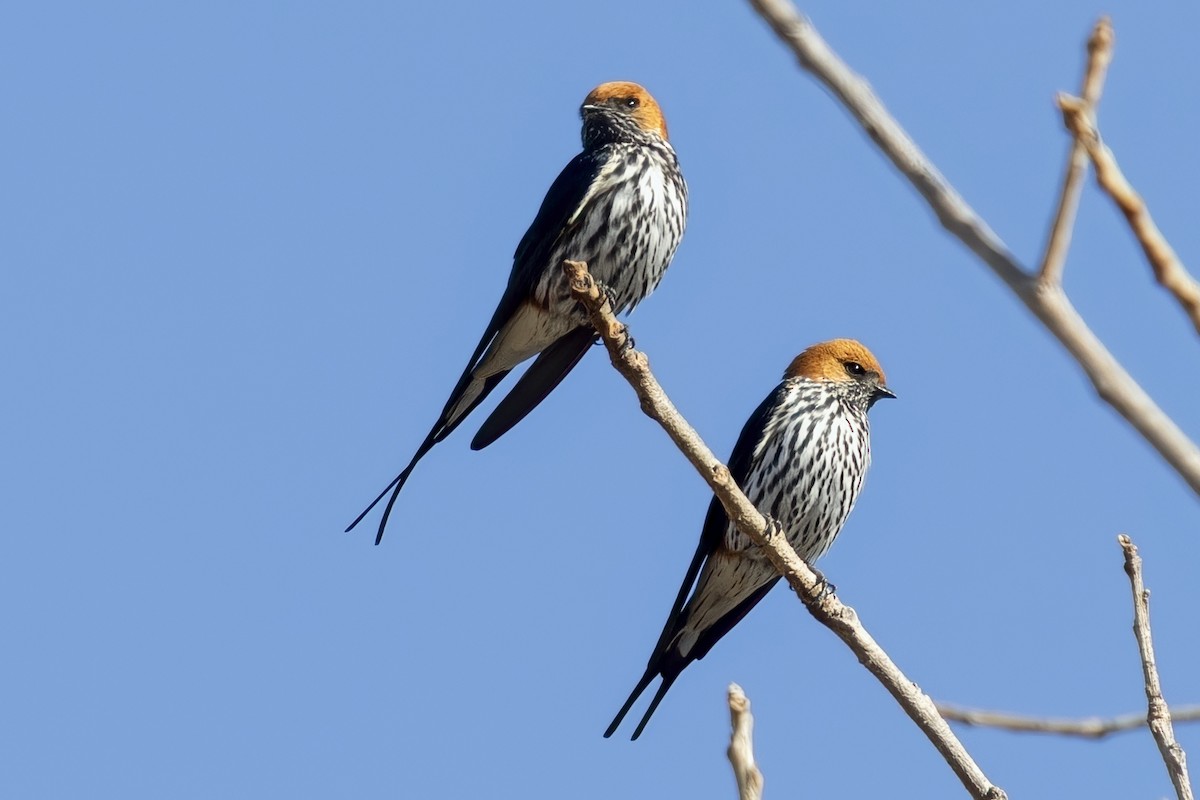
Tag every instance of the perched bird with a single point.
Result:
(620, 205)
(801, 459)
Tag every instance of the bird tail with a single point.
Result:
(633, 696)
(452, 415)
(667, 680)
(651, 673)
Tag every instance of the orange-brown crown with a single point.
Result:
(639, 104)
(833, 361)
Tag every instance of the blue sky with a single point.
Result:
(248, 248)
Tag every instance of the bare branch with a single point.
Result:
(1047, 302)
(822, 604)
(1090, 728)
(1168, 269)
(741, 746)
(1159, 716)
(1059, 241)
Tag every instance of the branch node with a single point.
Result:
(1076, 112)
(1158, 714)
(741, 745)
(1169, 271)
(1103, 36)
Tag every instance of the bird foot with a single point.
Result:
(626, 345)
(609, 296)
(824, 587)
(773, 527)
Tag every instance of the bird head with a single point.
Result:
(620, 111)
(846, 363)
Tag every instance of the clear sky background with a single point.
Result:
(247, 249)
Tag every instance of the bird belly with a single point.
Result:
(529, 331)
(728, 579)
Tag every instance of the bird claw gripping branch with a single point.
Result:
(824, 587)
(773, 528)
(608, 294)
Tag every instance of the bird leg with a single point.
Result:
(824, 587)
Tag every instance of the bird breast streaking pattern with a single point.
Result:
(821, 442)
(630, 232)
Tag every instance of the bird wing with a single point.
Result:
(560, 211)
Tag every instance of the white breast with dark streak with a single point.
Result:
(809, 467)
(806, 473)
(628, 228)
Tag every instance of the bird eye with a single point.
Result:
(632, 102)
(854, 368)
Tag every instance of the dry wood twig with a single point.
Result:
(1059, 241)
(741, 746)
(1089, 728)
(1168, 269)
(825, 606)
(1046, 300)
(1159, 715)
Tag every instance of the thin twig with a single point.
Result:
(741, 746)
(1047, 302)
(1169, 271)
(1159, 716)
(823, 605)
(1090, 728)
(1100, 47)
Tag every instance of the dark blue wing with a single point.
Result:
(562, 201)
